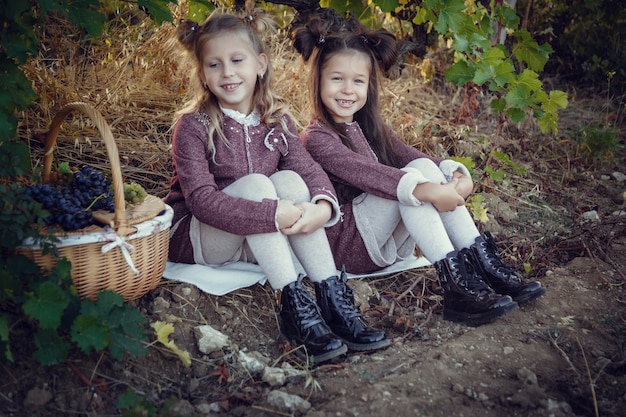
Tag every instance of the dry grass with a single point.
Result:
(137, 84)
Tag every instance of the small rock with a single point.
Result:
(527, 376)
(287, 402)
(619, 176)
(37, 397)
(590, 217)
(274, 376)
(209, 339)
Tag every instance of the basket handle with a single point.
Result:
(120, 222)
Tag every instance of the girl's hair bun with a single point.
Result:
(187, 32)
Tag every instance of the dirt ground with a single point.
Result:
(562, 355)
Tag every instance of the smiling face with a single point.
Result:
(230, 70)
(344, 81)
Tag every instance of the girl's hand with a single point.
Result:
(287, 214)
(443, 196)
(465, 186)
(313, 217)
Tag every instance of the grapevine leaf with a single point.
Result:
(15, 89)
(199, 10)
(498, 105)
(121, 344)
(85, 14)
(451, 16)
(529, 51)
(386, 6)
(51, 348)
(519, 97)
(89, 332)
(516, 114)
(107, 301)
(459, 73)
(478, 209)
(163, 331)
(556, 99)
(496, 175)
(547, 123)
(484, 72)
(4, 338)
(504, 73)
(530, 80)
(158, 10)
(46, 305)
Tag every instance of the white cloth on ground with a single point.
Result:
(220, 280)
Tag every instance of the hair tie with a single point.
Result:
(194, 27)
(321, 40)
(364, 39)
(249, 18)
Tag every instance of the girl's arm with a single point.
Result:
(323, 209)
(360, 171)
(201, 193)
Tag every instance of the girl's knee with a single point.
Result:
(428, 168)
(252, 187)
(290, 185)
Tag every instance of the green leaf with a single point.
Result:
(86, 15)
(199, 10)
(15, 90)
(19, 157)
(516, 114)
(496, 175)
(504, 73)
(107, 301)
(451, 16)
(527, 50)
(158, 10)
(51, 348)
(556, 99)
(498, 105)
(46, 305)
(387, 6)
(459, 73)
(519, 97)
(121, 344)
(90, 332)
(4, 337)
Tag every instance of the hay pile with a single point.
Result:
(137, 84)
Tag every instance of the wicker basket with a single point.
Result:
(129, 256)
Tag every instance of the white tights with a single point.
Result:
(435, 233)
(270, 250)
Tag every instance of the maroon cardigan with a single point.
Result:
(196, 185)
(354, 173)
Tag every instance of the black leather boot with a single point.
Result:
(467, 298)
(500, 276)
(302, 324)
(336, 301)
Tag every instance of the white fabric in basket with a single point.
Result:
(220, 280)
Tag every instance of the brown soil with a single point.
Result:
(563, 355)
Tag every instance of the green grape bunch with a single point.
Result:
(134, 193)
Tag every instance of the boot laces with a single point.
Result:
(305, 307)
(345, 299)
(470, 280)
(490, 251)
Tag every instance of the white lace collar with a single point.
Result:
(252, 119)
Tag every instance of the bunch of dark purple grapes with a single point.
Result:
(71, 206)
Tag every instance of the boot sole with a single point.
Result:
(478, 319)
(523, 299)
(301, 352)
(362, 347)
